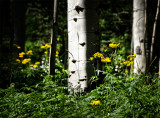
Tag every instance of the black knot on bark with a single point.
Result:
(82, 44)
(75, 19)
(73, 72)
(79, 8)
(74, 61)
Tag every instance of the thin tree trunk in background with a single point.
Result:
(53, 40)
(83, 42)
(154, 32)
(19, 23)
(138, 35)
(153, 41)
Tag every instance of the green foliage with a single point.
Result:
(116, 24)
(119, 97)
(29, 77)
(35, 94)
(45, 99)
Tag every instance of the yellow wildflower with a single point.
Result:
(21, 54)
(42, 46)
(132, 78)
(46, 52)
(18, 47)
(126, 70)
(131, 58)
(25, 61)
(126, 62)
(18, 60)
(31, 65)
(134, 55)
(105, 50)
(47, 46)
(113, 45)
(35, 66)
(107, 59)
(37, 63)
(29, 52)
(129, 64)
(98, 55)
(95, 102)
(91, 58)
(57, 53)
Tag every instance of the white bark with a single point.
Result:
(83, 41)
(139, 30)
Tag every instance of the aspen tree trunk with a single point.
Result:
(83, 42)
(53, 40)
(138, 35)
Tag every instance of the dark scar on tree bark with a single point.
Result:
(138, 50)
(74, 61)
(73, 72)
(75, 19)
(79, 8)
(82, 44)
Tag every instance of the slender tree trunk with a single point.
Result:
(53, 40)
(154, 32)
(138, 35)
(153, 38)
(83, 42)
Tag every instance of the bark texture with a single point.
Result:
(83, 42)
(139, 32)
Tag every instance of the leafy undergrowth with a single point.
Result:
(120, 94)
(117, 97)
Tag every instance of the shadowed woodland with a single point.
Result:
(79, 59)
